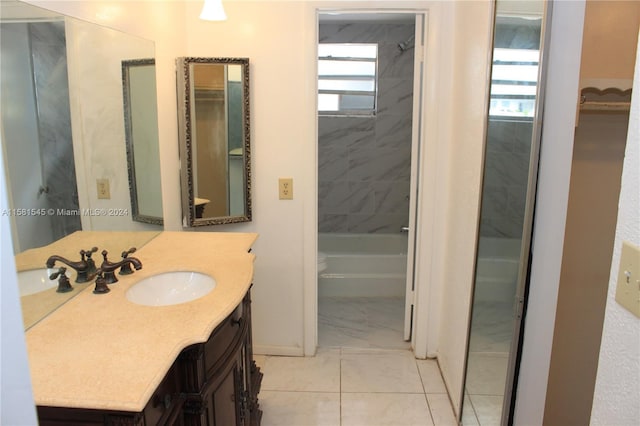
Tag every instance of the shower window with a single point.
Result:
(347, 78)
(513, 82)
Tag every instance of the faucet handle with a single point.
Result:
(128, 252)
(88, 252)
(126, 268)
(63, 281)
(91, 264)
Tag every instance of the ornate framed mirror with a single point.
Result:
(214, 138)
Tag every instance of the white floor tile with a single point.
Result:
(380, 372)
(361, 322)
(486, 373)
(490, 332)
(488, 409)
(384, 409)
(431, 377)
(441, 410)
(320, 373)
(299, 408)
(468, 413)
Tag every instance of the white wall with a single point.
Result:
(551, 207)
(16, 397)
(97, 111)
(618, 380)
(461, 176)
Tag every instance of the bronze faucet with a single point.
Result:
(108, 268)
(83, 267)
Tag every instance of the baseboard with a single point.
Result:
(278, 350)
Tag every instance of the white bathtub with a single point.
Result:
(363, 265)
(497, 269)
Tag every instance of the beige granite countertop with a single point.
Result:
(104, 352)
(39, 305)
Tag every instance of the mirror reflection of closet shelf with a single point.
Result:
(214, 132)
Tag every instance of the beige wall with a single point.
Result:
(608, 55)
(610, 39)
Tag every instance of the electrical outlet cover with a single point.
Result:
(285, 186)
(628, 286)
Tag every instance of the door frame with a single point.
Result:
(425, 313)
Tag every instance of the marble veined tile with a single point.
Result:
(333, 198)
(380, 372)
(385, 409)
(361, 197)
(392, 197)
(361, 322)
(431, 377)
(392, 62)
(341, 322)
(320, 373)
(351, 33)
(299, 408)
(393, 130)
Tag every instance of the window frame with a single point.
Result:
(341, 110)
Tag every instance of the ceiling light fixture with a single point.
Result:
(212, 10)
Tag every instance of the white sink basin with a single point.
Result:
(171, 288)
(37, 280)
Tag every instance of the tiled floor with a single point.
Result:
(361, 322)
(488, 362)
(363, 374)
(353, 387)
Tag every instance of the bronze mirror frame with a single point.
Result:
(186, 130)
(136, 214)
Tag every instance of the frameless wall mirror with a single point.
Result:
(141, 131)
(213, 95)
(61, 115)
(510, 168)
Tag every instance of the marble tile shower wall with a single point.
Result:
(48, 51)
(505, 179)
(364, 165)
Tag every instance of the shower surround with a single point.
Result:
(364, 165)
(37, 130)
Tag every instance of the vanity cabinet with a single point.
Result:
(220, 379)
(215, 383)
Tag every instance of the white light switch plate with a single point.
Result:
(628, 287)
